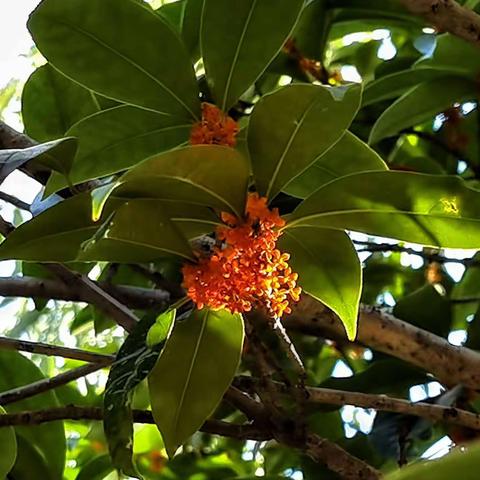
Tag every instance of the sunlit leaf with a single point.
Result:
(203, 350)
(8, 447)
(427, 209)
(308, 120)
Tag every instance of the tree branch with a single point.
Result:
(384, 403)
(41, 386)
(380, 331)
(71, 412)
(54, 350)
(448, 16)
(16, 202)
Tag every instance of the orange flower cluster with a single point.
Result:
(247, 270)
(215, 128)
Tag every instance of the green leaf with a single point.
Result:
(31, 462)
(239, 40)
(49, 439)
(294, 126)
(159, 331)
(118, 138)
(422, 103)
(348, 155)
(57, 153)
(96, 469)
(54, 235)
(433, 210)
(52, 103)
(193, 372)
(455, 55)
(8, 447)
(139, 231)
(132, 364)
(105, 56)
(328, 269)
(395, 84)
(209, 175)
(462, 463)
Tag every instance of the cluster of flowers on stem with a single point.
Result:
(245, 270)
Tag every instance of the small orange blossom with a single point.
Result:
(245, 270)
(215, 128)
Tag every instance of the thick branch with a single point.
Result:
(134, 297)
(448, 16)
(70, 412)
(54, 350)
(383, 332)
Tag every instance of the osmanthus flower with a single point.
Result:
(246, 269)
(215, 128)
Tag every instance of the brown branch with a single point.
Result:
(28, 287)
(16, 202)
(380, 331)
(41, 386)
(448, 16)
(427, 255)
(54, 350)
(71, 412)
(384, 403)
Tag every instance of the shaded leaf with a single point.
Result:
(328, 269)
(126, 237)
(422, 103)
(77, 40)
(203, 350)
(118, 138)
(431, 210)
(209, 175)
(52, 103)
(132, 364)
(8, 447)
(309, 119)
(57, 154)
(463, 463)
(348, 155)
(240, 39)
(49, 439)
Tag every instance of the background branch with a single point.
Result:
(448, 16)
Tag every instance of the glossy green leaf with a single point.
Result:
(52, 103)
(118, 138)
(209, 175)
(431, 210)
(348, 155)
(8, 447)
(395, 84)
(133, 362)
(328, 269)
(159, 331)
(127, 237)
(48, 439)
(101, 55)
(57, 154)
(294, 126)
(422, 103)
(239, 40)
(54, 235)
(462, 463)
(455, 55)
(193, 372)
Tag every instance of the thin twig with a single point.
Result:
(44, 385)
(16, 202)
(71, 412)
(54, 350)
